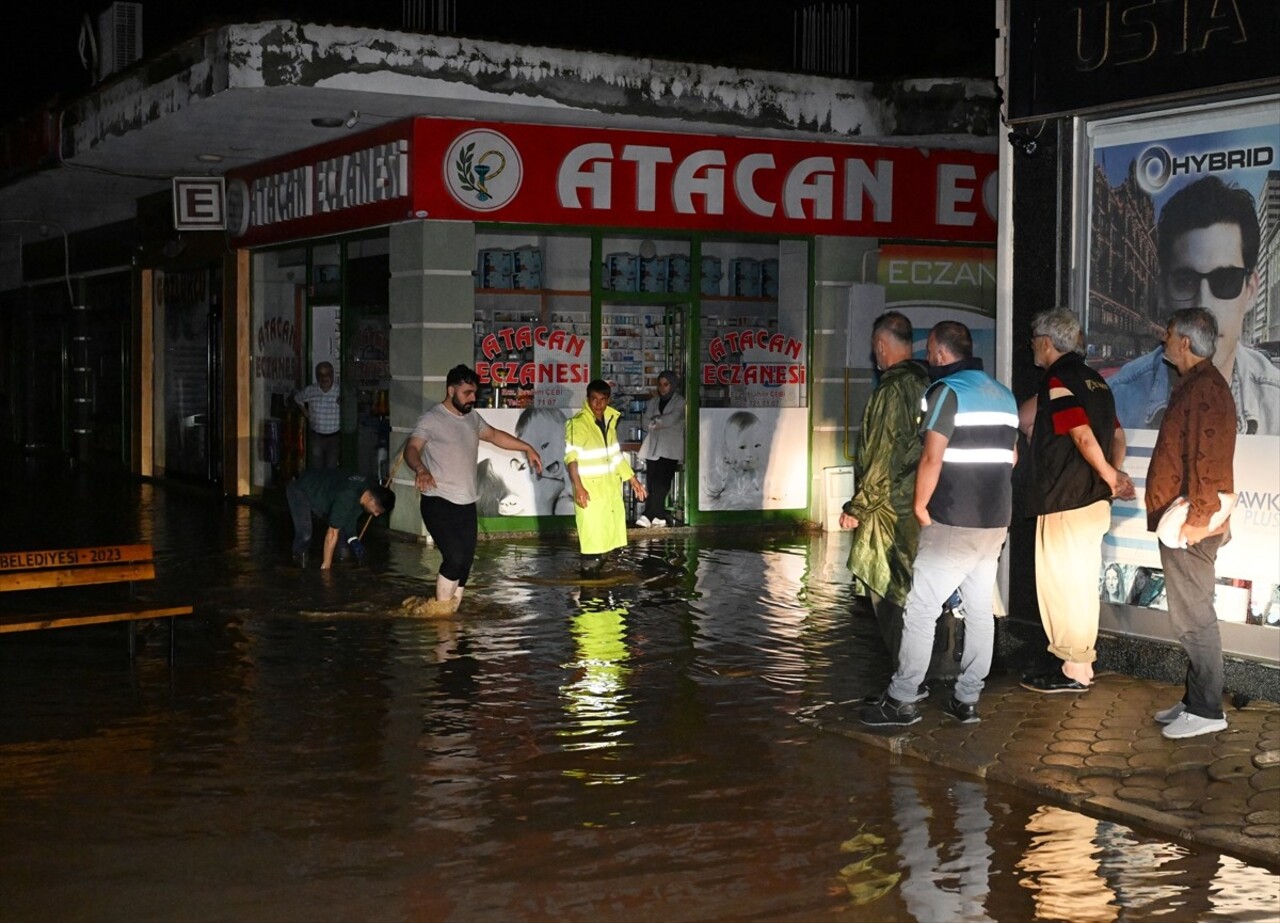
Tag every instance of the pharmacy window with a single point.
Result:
(532, 320)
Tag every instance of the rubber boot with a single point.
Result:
(445, 589)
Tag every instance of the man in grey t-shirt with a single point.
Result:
(443, 452)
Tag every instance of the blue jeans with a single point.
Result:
(949, 557)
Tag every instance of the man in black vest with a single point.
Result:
(1076, 449)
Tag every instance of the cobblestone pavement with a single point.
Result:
(1100, 752)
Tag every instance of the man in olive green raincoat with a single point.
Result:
(884, 544)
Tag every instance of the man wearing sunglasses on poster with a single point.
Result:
(1207, 239)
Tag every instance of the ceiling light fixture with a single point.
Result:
(352, 117)
(209, 158)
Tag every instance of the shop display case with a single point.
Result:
(723, 321)
(526, 285)
(636, 343)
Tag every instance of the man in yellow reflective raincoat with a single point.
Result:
(598, 468)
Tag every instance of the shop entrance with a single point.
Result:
(190, 371)
(637, 343)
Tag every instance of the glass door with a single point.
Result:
(638, 341)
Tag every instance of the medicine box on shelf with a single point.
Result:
(769, 278)
(500, 268)
(526, 267)
(494, 268)
(677, 272)
(621, 272)
(653, 274)
(744, 277)
(711, 275)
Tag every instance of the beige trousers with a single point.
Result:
(1068, 563)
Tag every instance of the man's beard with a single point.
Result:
(460, 407)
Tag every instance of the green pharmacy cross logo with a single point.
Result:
(473, 173)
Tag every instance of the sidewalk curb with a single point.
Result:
(1228, 800)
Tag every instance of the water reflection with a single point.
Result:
(948, 873)
(1061, 868)
(1084, 870)
(941, 866)
(562, 751)
(951, 850)
(595, 696)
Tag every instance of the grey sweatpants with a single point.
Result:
(949, 557)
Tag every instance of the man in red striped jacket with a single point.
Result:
(1075, 452)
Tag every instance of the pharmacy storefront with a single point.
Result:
(545, 256)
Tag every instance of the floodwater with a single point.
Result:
(624, 750)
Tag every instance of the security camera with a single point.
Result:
(1023, 142)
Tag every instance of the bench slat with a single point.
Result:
(39, 622)
(77, 576)
(73, 557)
(82, 567)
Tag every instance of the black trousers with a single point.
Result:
(323, 449)
(659, 473)
(453, 527)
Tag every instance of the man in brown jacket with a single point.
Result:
(1192, 459)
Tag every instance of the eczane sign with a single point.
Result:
(451, 169)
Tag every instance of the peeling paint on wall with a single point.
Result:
(292, 54)
(286, 54)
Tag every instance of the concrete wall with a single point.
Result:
(432, 309)
(837, 265)
(1041, 261)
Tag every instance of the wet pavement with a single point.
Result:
(1101, 752)
(672, 742)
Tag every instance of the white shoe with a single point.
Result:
(643, 522)
(1170, 714)
(1189, 725)
(658, 524)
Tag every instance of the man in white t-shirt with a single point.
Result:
(443, 453)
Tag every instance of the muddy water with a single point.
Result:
(625, 749)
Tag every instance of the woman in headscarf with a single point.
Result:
(663, 448)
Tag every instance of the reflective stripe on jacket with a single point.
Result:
(603, 469)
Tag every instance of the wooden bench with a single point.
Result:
(42, 572)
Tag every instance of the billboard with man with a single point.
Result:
(1183, 211)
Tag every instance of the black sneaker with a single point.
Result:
(1053, 683)
(300, 559)
(964, 712)
(886, 711)
(922, 691)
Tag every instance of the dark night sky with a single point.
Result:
(40, 56)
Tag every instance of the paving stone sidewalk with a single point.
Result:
(1101, 752)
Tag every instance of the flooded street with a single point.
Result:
(629, 749)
